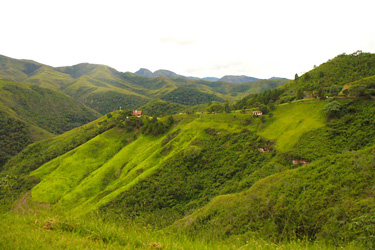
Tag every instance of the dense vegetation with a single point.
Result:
(106, 102)
(45, 108)
(14, 136)
(341, 70)
(161, 108)
(30, 113)
(189, 96)
(219, 163)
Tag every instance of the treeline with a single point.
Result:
(14, 136)
(144, 124)
(267, 98)
(161, 108)
(46, 108)
(190, 96)
(106, 102)
(341, 70)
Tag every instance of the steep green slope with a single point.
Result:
(30, 113)
(330, 199)
(292, 121)
(14, 136)
(48, 77)
(17, 70)
(48, 109)
(345, 76)
(340, 70)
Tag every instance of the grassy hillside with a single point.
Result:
(291, 121)
(17, 70)
(216, 176)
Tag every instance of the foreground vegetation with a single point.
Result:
(50, 230)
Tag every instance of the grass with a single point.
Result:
(63, 173)
(48, 230)
(291, 121)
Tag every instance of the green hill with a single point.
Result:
(29, 113)
(219, 175)
(104, 89)
(345, 76)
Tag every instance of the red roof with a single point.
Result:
(137, 112)
(257, 111)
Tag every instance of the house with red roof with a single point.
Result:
(137, 113)
(257, 112)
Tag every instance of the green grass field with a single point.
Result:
(291, 121)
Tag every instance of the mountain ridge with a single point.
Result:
(104, 89)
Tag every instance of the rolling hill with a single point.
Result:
(29, 113)
(104, 89)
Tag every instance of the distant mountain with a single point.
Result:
(213, 79)
(159, 73)
(238, 79)
(144, 72)
(169, 74)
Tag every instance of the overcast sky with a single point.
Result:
(194, 38)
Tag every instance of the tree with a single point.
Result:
(170, 121)
(321, 94)
(300, 94)
(226, 107)
(333, 109)
(263, 108)
(215, 108)
(296, 76)
(307, 77)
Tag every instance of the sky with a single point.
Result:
(190, 37)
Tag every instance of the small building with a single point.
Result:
(257, 112)
(137, 113)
